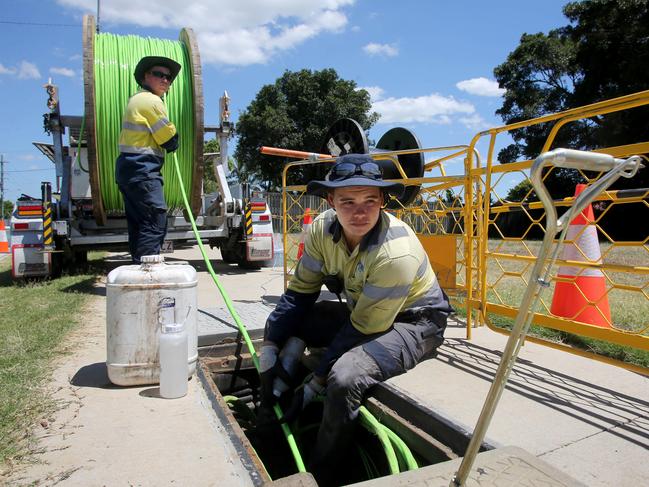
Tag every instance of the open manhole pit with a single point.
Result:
(236, 383)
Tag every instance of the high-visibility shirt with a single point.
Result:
(385, 274)
(145, 128)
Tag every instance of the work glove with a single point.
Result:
(304, 395)
(172, 144)
(270, 368)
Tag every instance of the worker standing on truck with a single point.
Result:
(146, 134)
(394, 316)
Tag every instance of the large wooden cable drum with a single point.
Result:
(108, 64)
(346, 136)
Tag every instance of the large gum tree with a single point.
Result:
(295, 113)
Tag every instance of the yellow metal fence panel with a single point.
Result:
(483, 246)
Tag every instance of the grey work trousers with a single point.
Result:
(146, 217)
(400, 348)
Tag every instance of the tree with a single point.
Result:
(209, 176)
(523, 191)
(295, 113)
(601, 54)
(7, 209)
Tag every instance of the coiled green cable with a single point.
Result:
(115, 61)
(373, 426)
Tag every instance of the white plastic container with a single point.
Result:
(173, 361)
(139, 300)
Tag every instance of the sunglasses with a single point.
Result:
(161, 75)
(346, 170)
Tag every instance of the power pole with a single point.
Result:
(2, 186)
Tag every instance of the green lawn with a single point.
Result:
(628, 299)
(36, 317)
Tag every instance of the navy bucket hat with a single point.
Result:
(354, 170)
(148, 62)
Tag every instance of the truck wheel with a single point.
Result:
(228, 256)
(245, 264)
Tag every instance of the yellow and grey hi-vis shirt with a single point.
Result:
(387, 273)
(145, 125)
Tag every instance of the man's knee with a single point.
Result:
(352, 375)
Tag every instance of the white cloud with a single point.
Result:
(376, 92)
(63, 72)
(374, 49)
(433, 108)
(28, 70)
(233, 33)
(474, 122)
(481, 87)
(4, 70)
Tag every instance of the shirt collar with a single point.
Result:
(145, 87)
(370, 238)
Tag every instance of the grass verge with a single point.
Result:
(36, 316)
(618, 352)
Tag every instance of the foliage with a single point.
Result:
(601, 54)
(523, 191)
(209, 175)
(7, 210)
(36, 317)
(296, 113)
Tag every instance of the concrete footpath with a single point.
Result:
(588, 419)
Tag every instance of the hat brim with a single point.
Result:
(321, 188)
(148, 62)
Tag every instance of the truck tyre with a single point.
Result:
(246, 264)
(228, 256)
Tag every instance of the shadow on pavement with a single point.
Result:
(87, 286)
(151, 392)
(93, 375)
(619, 414)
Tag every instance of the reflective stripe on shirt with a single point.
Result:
(130, 149)
(145, 125)
(388, 272)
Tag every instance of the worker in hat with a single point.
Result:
(394, 315)
(146, 135)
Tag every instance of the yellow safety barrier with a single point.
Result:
(465, 224)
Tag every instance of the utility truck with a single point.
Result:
(56, 228)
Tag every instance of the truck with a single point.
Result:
(54, 230)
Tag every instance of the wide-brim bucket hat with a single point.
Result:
(148, 62)
(359, 176)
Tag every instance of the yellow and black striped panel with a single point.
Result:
(48, 236)
(248, 214)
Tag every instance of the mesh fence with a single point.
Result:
(483, 245)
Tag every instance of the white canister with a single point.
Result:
(138, 299)
(173, 361)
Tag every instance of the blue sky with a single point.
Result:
(428, 64)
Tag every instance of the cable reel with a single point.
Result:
(346, 136)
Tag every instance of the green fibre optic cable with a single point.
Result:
(115, 61)
(373, 426)
(401, 448)
(242, 329)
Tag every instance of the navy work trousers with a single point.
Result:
(414, 336)
(146, 215)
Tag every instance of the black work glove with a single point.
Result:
(269, 368)
(172, 144)
(304, 395)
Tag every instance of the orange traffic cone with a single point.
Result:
(581, 294)
(4, 243)
(306, 225)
